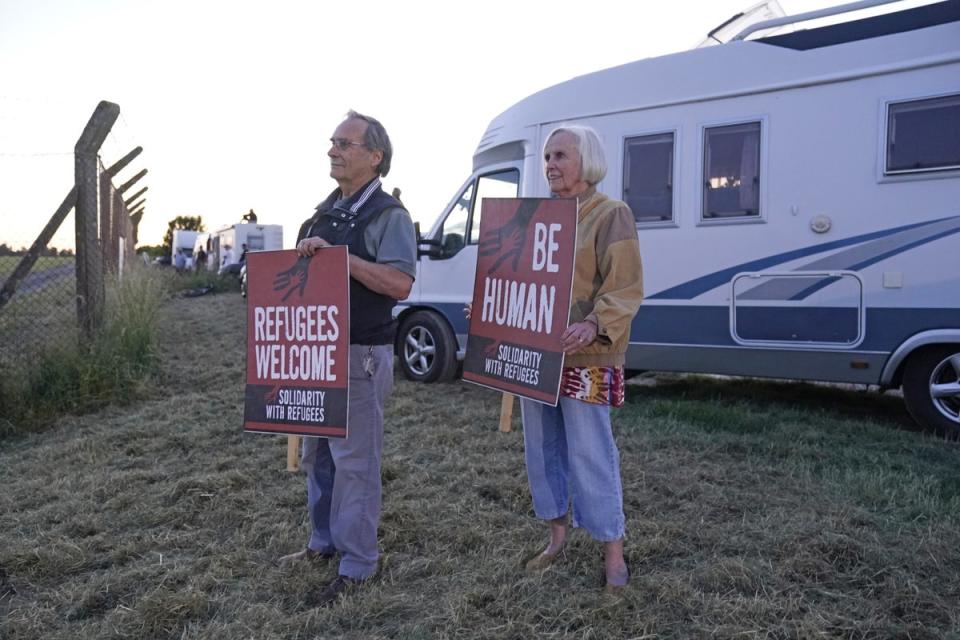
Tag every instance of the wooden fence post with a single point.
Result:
(90, 286)
(132, 198)
(116, 225)
(118, 166)
(107, 250)
(132, 181)
(135, 218)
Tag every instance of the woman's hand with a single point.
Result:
(468, 310)
(577, 336)
(309, 246)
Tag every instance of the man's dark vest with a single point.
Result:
(371, 313)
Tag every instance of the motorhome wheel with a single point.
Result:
(427, 348)
(931, 389)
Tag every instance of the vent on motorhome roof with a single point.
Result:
(883, 25)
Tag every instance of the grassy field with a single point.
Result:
(39, 312)
(755, 510)
(9, 263)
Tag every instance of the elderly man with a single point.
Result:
(343, 476)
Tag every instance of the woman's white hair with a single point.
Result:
(593, 163)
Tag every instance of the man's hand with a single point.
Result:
(309, 246)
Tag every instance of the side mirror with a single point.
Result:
(427, 246)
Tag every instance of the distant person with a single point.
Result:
(343, 476)
(201, 264)
(226, 260)
(179, 260)
(396, 193)
(249, 217)
(243, 253)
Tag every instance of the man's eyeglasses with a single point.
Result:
(343, 144)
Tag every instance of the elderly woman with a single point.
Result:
(571, 455)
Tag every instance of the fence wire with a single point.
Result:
(41, 315)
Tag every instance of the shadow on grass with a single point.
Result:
(717, 396)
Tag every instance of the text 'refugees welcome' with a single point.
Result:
(295, 342)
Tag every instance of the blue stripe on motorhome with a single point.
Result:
(853, 259)
(877, 258)
(710, 326)
(704, 325)
(693, 288)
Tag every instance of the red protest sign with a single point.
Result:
(298, 343)
(521, 295)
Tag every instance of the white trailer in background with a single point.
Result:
(257, 237)
(184, 241)
(797, 200)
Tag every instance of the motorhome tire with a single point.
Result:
(427, 348)
(931, 389)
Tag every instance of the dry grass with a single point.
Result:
(755, 510)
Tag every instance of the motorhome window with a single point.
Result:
(504, 184)
(731, 169)
(923, 135)
(255, 242)
(648, 177)
(455, 225)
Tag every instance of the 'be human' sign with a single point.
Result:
(521, 295)
(298, 343)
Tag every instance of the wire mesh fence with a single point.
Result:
(48, 299)
(41, 315)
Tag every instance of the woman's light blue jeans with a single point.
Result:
(571, 455)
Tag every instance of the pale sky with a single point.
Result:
(234, 101)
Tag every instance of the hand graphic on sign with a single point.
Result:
(297, 274)
(514, 233)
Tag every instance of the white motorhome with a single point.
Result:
(183, 240)
(257, 237)
(797, 200)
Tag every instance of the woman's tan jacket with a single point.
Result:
(607, 280)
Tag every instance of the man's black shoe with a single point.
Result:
(330, 594)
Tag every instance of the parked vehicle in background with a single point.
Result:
(183, 240)
(796, 200)
(257, 237)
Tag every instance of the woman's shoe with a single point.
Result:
(543, 561)
(615, 590)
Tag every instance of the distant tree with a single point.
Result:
(153, 250)
(188, 223)
(5, 249)
(66, 252)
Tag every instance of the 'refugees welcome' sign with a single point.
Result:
(298, 343)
